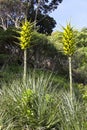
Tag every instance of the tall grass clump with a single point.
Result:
(73, 113)
(40, 105)
(31, 106)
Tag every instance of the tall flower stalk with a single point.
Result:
(69, 48)
(25, 40)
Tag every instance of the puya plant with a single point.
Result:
(68, 40)
(33, 106)
(25, 40)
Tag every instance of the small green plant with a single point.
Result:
(83, 91)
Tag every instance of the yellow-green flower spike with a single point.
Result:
(25, 35)
(68, 40)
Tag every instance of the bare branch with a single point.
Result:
(2, 23)
(9, 16)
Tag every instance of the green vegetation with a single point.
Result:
(45, 101)
(29, 105)
(40, 105)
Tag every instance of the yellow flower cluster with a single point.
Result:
(25, 35)
(68, 40)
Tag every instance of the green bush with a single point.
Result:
(34, 106)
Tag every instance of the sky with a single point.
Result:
(73, 11)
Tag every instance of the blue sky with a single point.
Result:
(74, 11)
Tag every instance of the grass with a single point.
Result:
(73, 113)
(30, 105)
(43, 103)
(11, 73)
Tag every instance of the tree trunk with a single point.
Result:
(70, 75)
(25, 65)
(37, 9)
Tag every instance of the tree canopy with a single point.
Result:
(37, 11)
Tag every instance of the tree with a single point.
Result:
(82, 38)
(37, 11)
(80, 56)
(56, 39)
(69, 48)
(25, 39)
(11, 13)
